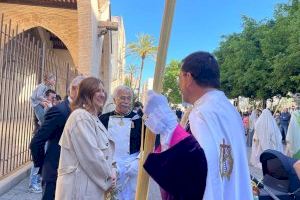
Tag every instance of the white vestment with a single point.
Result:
(266, 136)
(252, 120)
(213, 120)
(293, 136)
(120, 129)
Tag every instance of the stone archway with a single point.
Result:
(61, 22)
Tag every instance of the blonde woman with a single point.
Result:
(86, 169)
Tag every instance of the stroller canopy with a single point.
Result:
(279, 169)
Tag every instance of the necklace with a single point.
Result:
(121, 116)
(121, 123)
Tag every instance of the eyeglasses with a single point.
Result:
(124, 98)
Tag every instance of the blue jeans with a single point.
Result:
(283, 130)
(34, 179)
(250, 137)
(39, 113)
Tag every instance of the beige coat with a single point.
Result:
(85, 164)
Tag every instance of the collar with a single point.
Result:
(121, 115)
(206, 95)
(69, 99)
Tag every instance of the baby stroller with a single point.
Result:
(280, 180)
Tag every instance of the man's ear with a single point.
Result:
(189, 79)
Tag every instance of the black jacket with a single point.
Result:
(135, 133)
(51, 131)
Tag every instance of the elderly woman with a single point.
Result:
(86, 169)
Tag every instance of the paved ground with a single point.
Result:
(20, 192)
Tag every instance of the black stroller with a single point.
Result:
(280, 180)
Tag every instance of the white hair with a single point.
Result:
(122, 88)
(76, 81)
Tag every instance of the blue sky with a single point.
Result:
(197, 25)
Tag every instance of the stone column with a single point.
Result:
(89, 43)
(106, 69)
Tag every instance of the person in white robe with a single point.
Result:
(293, 136)
(266, 136)
(213, 122)
(252, 120)
(125, 127)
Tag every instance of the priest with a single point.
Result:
(125, 127)
(206, 159)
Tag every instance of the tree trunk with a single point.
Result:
(140, 79)
(130, 80)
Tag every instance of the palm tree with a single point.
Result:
(131, 70)
(143, 48)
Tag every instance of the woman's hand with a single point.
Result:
(114, 177)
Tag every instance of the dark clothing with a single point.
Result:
(180, 171)
(178, 114)
(140, 112)
(36, 124)
(50, 131)
(283, 130)
(285, 118)
(48, 190)
(135, 133)
(284, 123)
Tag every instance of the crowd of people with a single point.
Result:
(66, 143)
(282, 120)
(87, 146)
(268, 130)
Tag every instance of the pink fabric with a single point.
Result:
(158, 149)
(178, 135)
(246, 122)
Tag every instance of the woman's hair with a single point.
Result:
(86, 91)
(47, 77)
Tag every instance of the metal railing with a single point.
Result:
(23, 60)
(67, 4)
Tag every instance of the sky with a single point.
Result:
(197, 24)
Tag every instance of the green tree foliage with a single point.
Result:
(170, 82)
(127, 82)
(264, 59)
